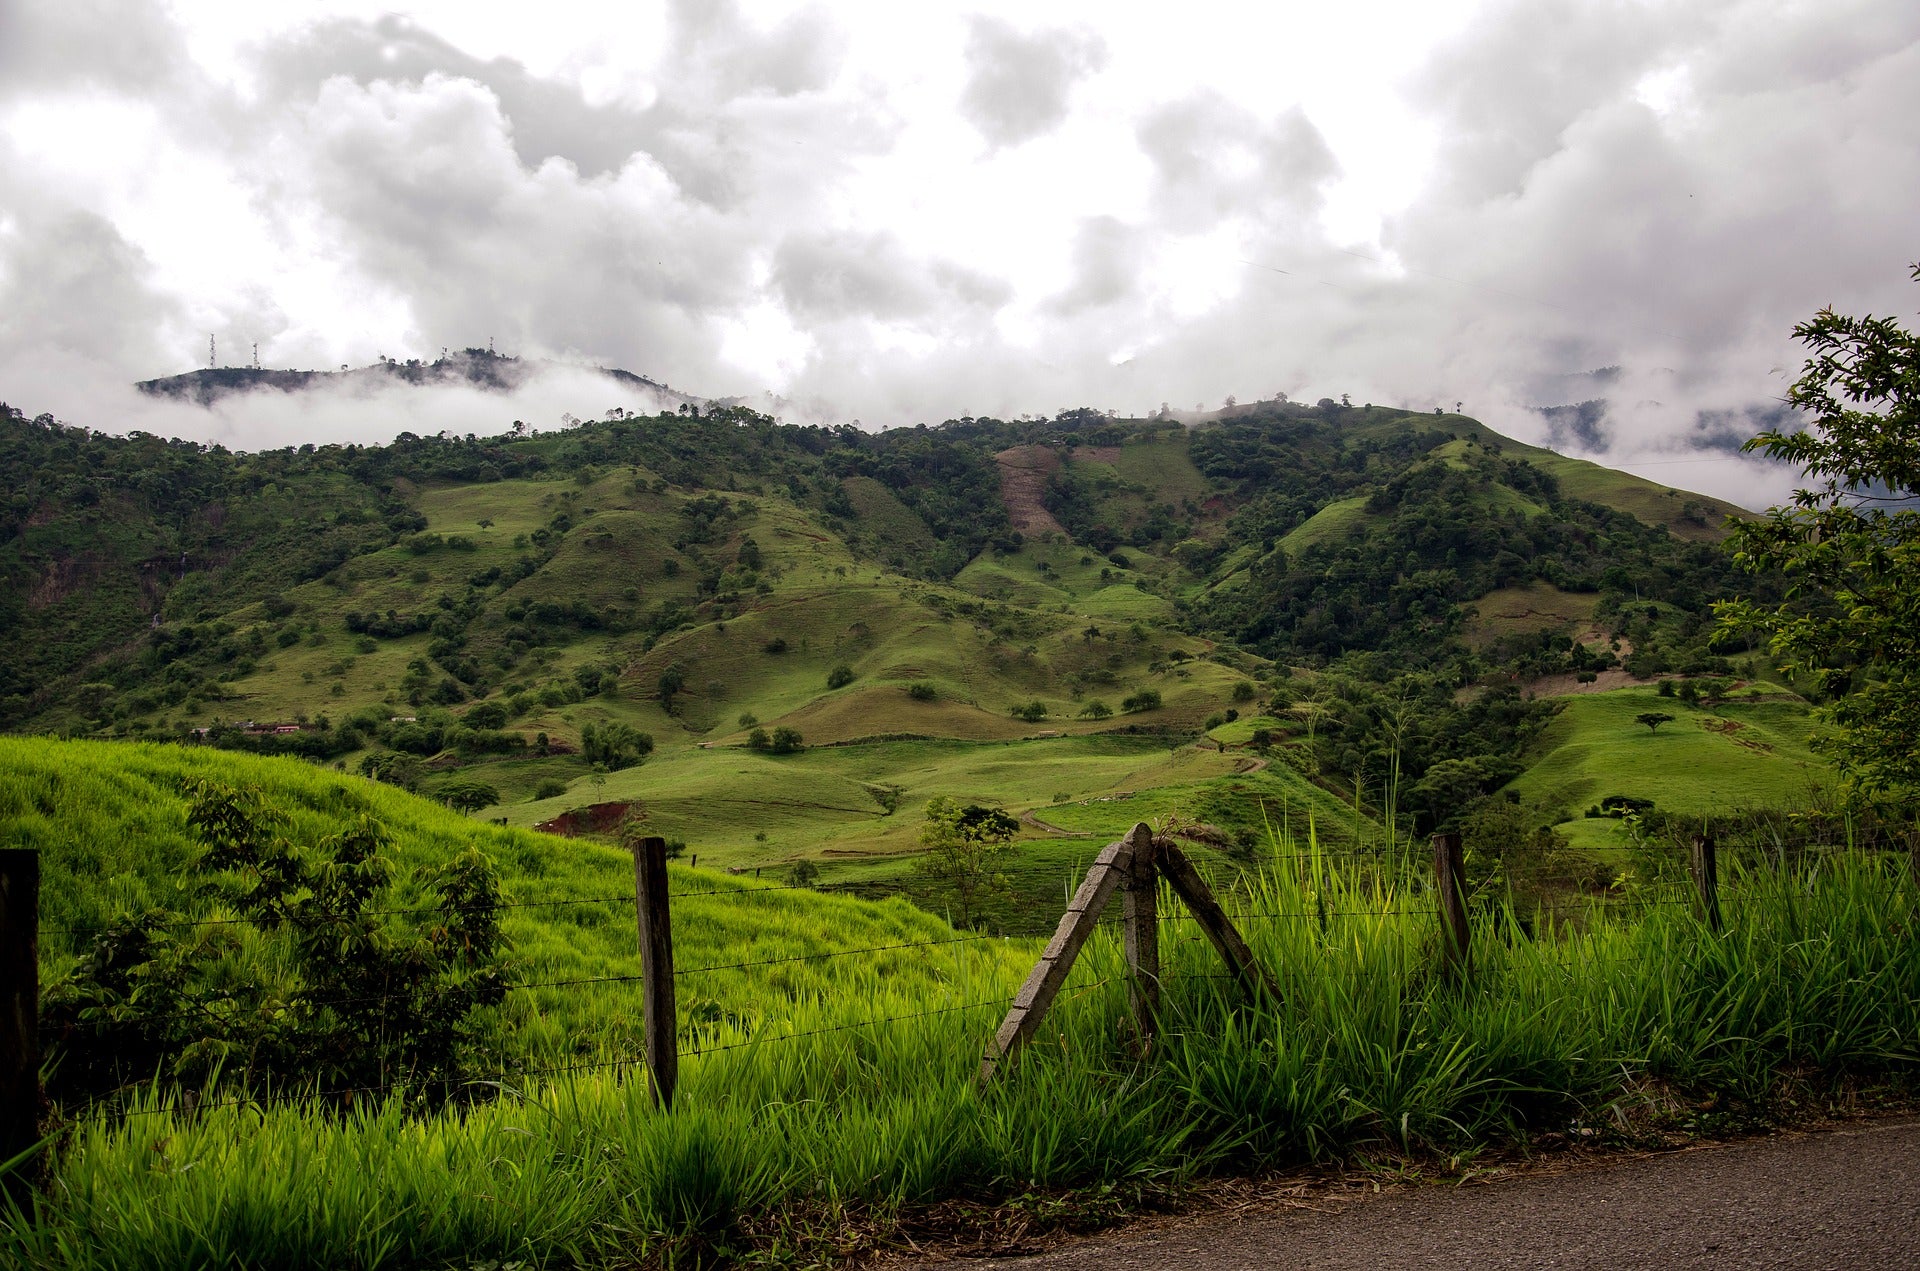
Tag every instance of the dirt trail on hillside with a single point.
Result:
(1024, 473)
(1843, 1197)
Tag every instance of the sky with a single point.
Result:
(896, 214)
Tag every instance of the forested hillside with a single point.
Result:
(1325, 602)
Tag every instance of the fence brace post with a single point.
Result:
(1706, 878)
(1141, 911)
(1449, 871)
(656, 966)
(19, 1016)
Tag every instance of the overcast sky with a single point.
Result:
(905, 212)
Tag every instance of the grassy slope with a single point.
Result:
(1742, 753)
(830, 608)
(109, 821)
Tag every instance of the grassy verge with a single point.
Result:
(805, 1110)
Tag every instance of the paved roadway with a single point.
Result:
(1838, 1198)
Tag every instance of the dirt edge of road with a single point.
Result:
(956, 1231)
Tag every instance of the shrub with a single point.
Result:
(840, 676)
(921, 691)
(758, 740)
(776, 645)
(1147, 699)
(550, 788)
(356, 1001)
(786, 741)
(1033, 712)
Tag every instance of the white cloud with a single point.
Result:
(906, 213)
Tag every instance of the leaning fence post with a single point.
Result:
(1450, 875)
(656, 966)
(19, 1014)
(1706, 879)
(1141, 911)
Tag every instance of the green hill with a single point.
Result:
(460, 615)
(109, 821)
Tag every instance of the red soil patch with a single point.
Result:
(598, 818)
(1024, 473)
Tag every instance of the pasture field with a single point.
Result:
(1739, 754)
(831, 1087)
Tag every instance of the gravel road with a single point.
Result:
(1839, 1198)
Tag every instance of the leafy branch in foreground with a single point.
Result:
(308, 986)
(1849, 546)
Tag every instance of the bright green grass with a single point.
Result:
(719, 799)
(110, 822)
(1367, 1049)
(1329, 525)
(1744, 754)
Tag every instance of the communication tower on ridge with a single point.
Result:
(210, 362)
(256, 355)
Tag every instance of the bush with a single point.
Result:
(758, 740)
(921, 691)
(776, 645)
(615, 746)
(786, 741)
(487, 715)
(354, 1001)
(550, 788)
(1033, 712)
(840, 676)
(1147, 699)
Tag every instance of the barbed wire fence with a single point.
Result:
(1136, 867)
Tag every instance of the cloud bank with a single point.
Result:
(903, 218)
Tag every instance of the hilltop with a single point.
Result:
(476, 368)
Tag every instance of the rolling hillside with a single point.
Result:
(622, 613)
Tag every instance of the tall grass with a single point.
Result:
(1367, 1048)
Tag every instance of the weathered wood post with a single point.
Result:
(1706, 880)
(1449, 871)
(1141, 910)
(1191, 888)
(656, 966)
(19, 1015)
(1109, 872)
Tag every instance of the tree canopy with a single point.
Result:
(1849, 546)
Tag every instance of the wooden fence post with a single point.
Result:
(19, 1015)
(1450, 875)
(656, 966)
(1191, 888)
(1109, 871)
(1141, 910)
(1706, 879)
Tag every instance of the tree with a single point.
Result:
(1147, 699)
(785, 741)
(615, 746)
(468, 795)
(840, 676)
(1848, 546)
(1653, 719)
(964, 848)
(1095, 709)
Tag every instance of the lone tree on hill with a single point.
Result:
(1653, 719)
(1849, 548)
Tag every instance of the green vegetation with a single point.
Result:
(1850, 548)
(798, 1109)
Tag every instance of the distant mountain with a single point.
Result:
(479, 368)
